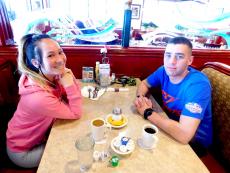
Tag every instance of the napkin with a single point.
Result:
(90, 89)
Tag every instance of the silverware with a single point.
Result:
(95, 92)
(89, 90)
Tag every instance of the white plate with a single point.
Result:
(117, 127)
(118, 151)
(139, 142)
(85, 92)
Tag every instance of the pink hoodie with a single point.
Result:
(37, 110)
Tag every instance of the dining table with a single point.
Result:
(169, 156)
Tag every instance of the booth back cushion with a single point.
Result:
(221, 112)
(8, 101)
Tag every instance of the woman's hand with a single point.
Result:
(66, 79)
(142, 103)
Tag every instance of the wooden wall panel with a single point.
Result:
(137, 62)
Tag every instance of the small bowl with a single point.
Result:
(116, 148)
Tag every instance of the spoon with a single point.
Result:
(89, 90)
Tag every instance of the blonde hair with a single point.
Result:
(28, 50)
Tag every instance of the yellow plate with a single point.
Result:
(119, 124)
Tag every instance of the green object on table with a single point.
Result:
(114, 161)
(131, 81)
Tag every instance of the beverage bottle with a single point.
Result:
(104, 75)
(97, 72)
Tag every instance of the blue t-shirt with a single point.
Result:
(191, 97)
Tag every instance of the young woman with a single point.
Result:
(48, 91)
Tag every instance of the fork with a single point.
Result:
(95, 92)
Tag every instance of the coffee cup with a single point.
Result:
(98, 127)
(149, 138)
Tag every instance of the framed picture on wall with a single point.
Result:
(36, 5)
(136, 11)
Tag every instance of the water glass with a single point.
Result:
(85, 149)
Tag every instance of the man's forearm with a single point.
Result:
(173, 128)
(142, 88)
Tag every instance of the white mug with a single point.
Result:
(98, 127)
(149, 138)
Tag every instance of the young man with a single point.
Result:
(186, 95)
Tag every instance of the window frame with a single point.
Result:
(6, 33)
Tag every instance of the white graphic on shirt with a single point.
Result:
(193, 107)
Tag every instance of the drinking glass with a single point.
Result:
(85, 149)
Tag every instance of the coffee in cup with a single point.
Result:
(98, 122)
(149, 138)
(150, 130)
(99, 129)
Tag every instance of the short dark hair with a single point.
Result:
(180, 40)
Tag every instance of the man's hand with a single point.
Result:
(142, 103)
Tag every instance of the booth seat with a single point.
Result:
(8, 103)
(218, 157)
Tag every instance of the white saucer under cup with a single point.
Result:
(140, 143)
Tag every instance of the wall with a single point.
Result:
(137, 62)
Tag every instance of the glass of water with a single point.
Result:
(85, 149)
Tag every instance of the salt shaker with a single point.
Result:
(117, 114)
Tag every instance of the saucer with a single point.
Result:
(139, 142)
(125, 121)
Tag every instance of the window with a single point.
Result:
(69, 22)
(205, 22)
(77, 22)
